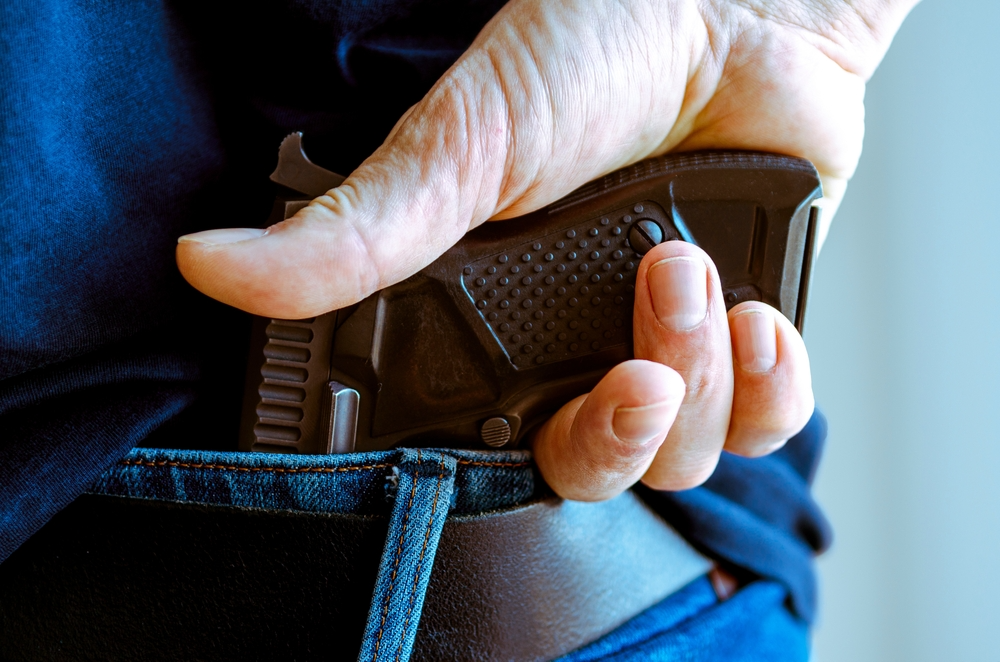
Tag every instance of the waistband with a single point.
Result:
(398, 561)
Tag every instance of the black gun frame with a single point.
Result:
(521, 316)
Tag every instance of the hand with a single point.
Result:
(554, 93)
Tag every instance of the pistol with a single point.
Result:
(522, 315)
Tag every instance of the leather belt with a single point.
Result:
(114, 578)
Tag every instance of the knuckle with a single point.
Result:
(757, 447)
(779, 423)
(681, 476)
(770, 430)
(596, 480)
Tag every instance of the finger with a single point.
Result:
(680, 321)
(601, 443)
(772, 397)
(524, 117)
(408, 203)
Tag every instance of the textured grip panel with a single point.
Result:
(567, 294)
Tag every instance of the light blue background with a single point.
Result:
(904, 335)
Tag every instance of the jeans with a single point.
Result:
(419, 489)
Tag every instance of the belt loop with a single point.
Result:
(422, 499)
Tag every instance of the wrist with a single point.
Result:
(853, 33)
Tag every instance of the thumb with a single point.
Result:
(526, 115)
(407, 204)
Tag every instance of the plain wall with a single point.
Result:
(903, 334)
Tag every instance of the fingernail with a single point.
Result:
(679, 291)
(223, 236)
(755, 343)
(640, 425)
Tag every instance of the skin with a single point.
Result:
(552, 94)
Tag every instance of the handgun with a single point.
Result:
(520, 316)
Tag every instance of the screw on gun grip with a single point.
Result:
(644, 235)
(496, 432)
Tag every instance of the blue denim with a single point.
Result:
(354, 483)
(423, 487)
(418, 489)
(692, 624)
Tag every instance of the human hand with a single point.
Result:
(553, 94)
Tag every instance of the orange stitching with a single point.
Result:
(420, 561)
(395, 568)
(495, 464)
(301, 470)
(227, 467)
